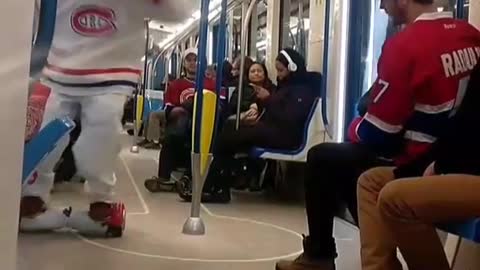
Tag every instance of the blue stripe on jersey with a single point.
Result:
(99, 84)
(431, 124)
(384, 143)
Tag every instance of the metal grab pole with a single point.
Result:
(243, 54)
(44, 36)
(221, 45)
(145, 63)
(140, 90)
(194, 224)
(326, 48)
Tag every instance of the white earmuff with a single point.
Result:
(292, 67)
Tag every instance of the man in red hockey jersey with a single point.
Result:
(422, 76)
(179, 109)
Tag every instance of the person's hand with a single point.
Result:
(260, 92)
(430, 171)
(252, 113)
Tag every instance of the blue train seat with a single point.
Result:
(42, 144)
(154, 101)
(468, 230)
(314, 133)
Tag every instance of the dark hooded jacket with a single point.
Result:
(287, 110)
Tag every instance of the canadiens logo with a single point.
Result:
(93, 21)
(187, 94)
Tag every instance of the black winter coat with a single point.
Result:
(287, 110)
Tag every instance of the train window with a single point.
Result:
(262, 31)
(237, 31)
(295, 24)
(467, 8)
(451, 5)
(380, 30)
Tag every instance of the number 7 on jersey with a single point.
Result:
(385, 86)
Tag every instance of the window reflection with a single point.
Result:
(467, 8)
(451, 5)
(295, 22)
(262, 31)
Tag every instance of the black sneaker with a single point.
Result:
(184, 188)
(156, 184)
(220, 196)
(207, 197)
(143, 143)
(152, 146)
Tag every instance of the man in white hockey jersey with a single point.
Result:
(93, 64)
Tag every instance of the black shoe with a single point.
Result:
(221, 196)
(240, 182)
(208, 197)
(143, 143)
(184, 188)
(156, 184)
(152, 145)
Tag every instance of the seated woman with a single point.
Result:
(250, 111)
(403, 213)
(286, 112)
(247, 170)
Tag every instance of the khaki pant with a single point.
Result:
(156, 126)
(401, 214)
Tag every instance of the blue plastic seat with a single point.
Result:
(314, 133)
(42, 144)
(154, 101)
(468, 230)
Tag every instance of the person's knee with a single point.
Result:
(372, 181)
(390, 201)
(330, 153)
(176, 113)
(320, 152)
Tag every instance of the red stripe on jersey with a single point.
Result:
(83, 72)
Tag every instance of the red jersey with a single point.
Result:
(35, 109)
(183, 89)
(422, 77)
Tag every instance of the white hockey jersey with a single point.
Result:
(98, 44)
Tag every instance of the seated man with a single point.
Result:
(403, 213)
(175, 152)
(413, 96)
(285, 112)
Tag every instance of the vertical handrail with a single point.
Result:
(460, 12)
(243, 54)
(141, 87)
(44, 36)
(145, 63)
(200, 76)
(194, 224)
(326, 45)
(221, 52)
(301, 37)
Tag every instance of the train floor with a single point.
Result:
(252, 232)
